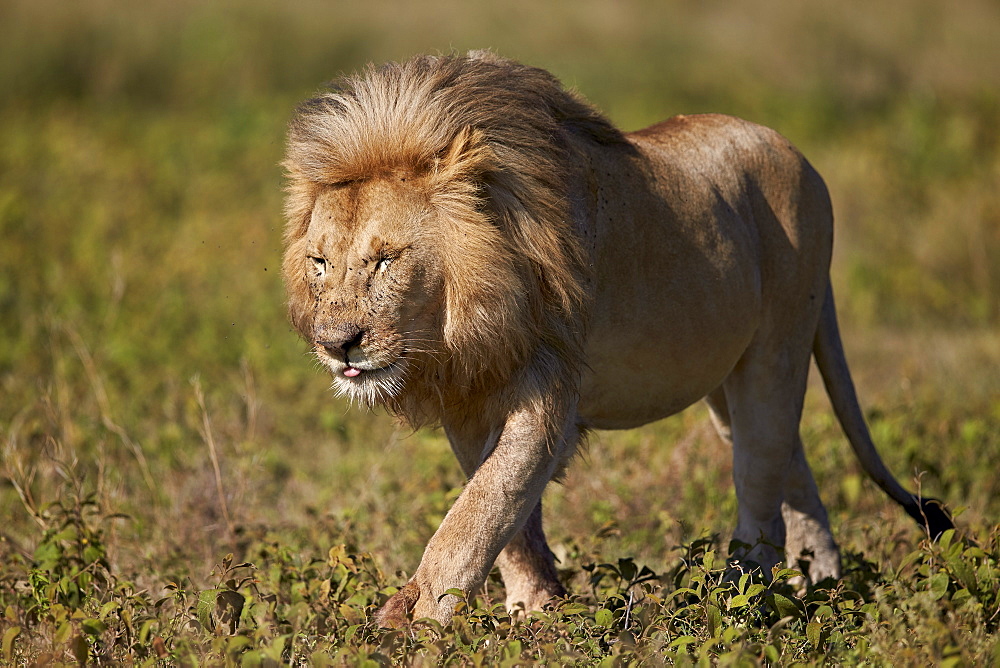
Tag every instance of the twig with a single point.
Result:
(206, 433)
(104, 405)
(22, 483)
(251, 399)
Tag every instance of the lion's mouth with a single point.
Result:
(371, 386)
(368, 370)
(370, 374)
(358, 373)
(363, 369)
(358, 362)
(355, 363)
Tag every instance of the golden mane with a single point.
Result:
(493, 136)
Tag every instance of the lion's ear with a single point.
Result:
(468, 155)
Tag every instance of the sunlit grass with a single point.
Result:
(140, 233)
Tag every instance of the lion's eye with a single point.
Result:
(319, 264)
(382, 264)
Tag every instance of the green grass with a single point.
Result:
(143, 340)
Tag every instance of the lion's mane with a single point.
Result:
(494, 138)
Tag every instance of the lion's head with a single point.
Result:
(429, 248)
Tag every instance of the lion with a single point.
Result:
(469, 244)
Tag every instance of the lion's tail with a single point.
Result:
(829, 353)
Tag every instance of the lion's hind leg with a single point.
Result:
(759, 526)
(528, 568)
(758, 412)
(809, 544)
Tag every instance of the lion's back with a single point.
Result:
(710, 230)
(753, 169)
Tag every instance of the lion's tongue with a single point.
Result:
(351, 372)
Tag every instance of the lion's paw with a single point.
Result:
(395, 614)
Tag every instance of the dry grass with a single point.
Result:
(140, 225)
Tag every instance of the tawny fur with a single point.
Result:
(471, 245)
(469, 127)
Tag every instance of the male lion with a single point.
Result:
(469, 244)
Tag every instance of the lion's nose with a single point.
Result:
(338, 340)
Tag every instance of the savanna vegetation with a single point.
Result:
(178, 485)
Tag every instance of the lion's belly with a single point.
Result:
(694, 245)
(677, 302)
(657, 369)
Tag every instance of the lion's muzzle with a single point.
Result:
(350, 351)
(338, 340)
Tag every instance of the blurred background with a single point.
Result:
(145, 359)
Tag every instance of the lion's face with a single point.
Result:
(445, 263)
(365, 284)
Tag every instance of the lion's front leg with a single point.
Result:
(527, 565)
(495, 504)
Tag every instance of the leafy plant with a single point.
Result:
(152, 520)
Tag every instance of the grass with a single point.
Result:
(157, 414)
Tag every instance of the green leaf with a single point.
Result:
(206, 605)
(812, 633)
(963, 572)
(237, 644)
(714, 616)
(62, 633)
(907, 560)
(513, 649)
(92, 554)
(277, 647)
(944, 540)
(108, 608)
(8, 642)
(93, 627)
(961, 596)
(771, 653)
(81, 650)
(573, 609)
(683, 641)
(784, 606)
(938, 584)
(145, 629)
(786, 574)
(823, 611)
(604, 617)
(742, 586)
(252, 658)
(974, 552)
(739, 601)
